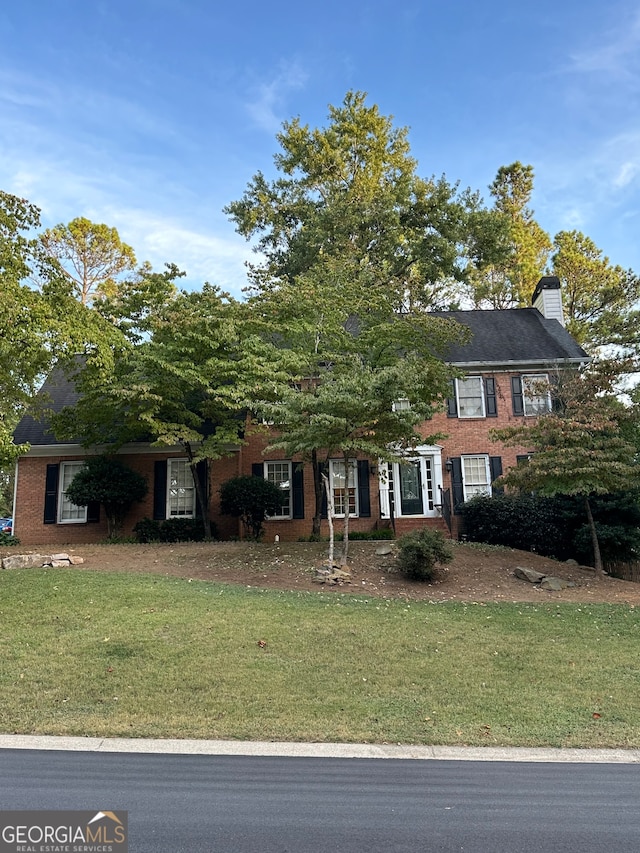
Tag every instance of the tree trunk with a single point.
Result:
(318, 488)
(330, 511)
(344, 557)
(597, 557)
(113, 527)
(202, 494)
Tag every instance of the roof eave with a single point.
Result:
(520, 364)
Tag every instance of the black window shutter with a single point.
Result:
(364, 495)
(160, 490)
(297, 490)
(516, 395)
(556, 402)
(491, 400)
(93, 512)
(495, 468)
(51, 494)
(257, 469)
(452, 407)
(457, 491)
(202, 473)
(324, 508)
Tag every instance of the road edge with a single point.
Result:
(319, 750)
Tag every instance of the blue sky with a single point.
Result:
(151, 115)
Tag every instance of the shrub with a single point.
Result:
(420, 551)
(8, 539)
(251, 499)
(526, 522)
(384, 533)
(555, 527)
(171, 530)
(183, 530)
(617, 543)
(112, 484)
(147, 530)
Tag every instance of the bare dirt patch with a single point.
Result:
(478, 573)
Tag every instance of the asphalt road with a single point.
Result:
(247, 804)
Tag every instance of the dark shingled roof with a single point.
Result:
(56, 393)
(506, 338)
(512, 336)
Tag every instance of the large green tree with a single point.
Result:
(584, 447)
(509, 281)
(341, 363)
(37, 327)
(183, 385)
(91, 255)
(601, 301)
(351, 191)
(355, 247)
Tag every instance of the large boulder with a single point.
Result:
(25, 561)
(529, 575)
(555, 584)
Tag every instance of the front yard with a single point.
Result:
(108, 650)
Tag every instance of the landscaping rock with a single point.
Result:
(529, 575)
(331, 575)
(555, 584)
(24, 561)
(384, 550)
(38, 561)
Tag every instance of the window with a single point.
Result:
(280, 474)
(402, 405)
(535, 394)
(470, 397)
(69, 513)
(181, 497)
(344, 488)
(476, 477)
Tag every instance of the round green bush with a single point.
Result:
(420, 551)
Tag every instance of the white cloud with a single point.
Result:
(204, 256)
(615, 54)
(267, 108)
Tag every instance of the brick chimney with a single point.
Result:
(547, 298)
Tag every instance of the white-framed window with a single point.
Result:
(476, 476)
(402, 405)
(470, 397)
(536, 397)
(344, 486)
(69, 513)
(280, 474)
(181, 491)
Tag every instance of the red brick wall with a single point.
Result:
(463, 436)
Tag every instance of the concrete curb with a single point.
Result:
(320, 750)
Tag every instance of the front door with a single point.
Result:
(415, 482)
(411, 488)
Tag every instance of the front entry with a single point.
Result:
(408, 489)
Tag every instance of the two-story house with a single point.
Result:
(503, 368)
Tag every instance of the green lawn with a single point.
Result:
(85, 653)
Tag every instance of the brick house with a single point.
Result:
(510, 352)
